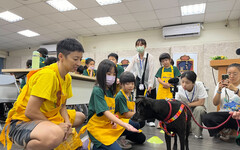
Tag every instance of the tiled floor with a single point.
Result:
(207, 143)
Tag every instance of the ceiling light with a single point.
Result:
(193, 9)
(108, 2)
(10, 17)
(104, 21)
(61, 5)
(28, 33)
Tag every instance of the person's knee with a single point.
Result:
(200, 109)
(80, 118)
(54, 137)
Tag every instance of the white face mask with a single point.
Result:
(110, 80)
(140, 49)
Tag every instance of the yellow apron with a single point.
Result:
(130, 105)
(93, 73)
(101, 127)
(164, 93)
(54, 115)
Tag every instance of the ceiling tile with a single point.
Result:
(71, 24)
(116, 9)
(131, 26)
(139, 5)
(55, 27)
(25, 12)
(215, 17)
(143, 16)
(28, 1)
(95, 12)
(234, 15)
(83, 31)
(42, 8)
(42, 30)
(168, 13)
(219, 6)
(192, 18)
(76, 15)
(12, 27)
(9, 4)
(84, 3)
(88, 23)
(191, 2)
(58, 17)
(124, 18)
(98, 30)
(26, 24)
(15, 36)
(170, 21)
(4, 39)
(159, 4)
(67, 33)
(114, 28)
(150, 24)
(4, 32)
(41, 20)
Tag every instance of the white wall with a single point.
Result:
(215, 39)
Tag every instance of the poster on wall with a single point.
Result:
(185, 61)
(124, 61)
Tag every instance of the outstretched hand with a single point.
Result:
(130, 128)
(235, 114)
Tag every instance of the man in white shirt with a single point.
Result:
(193, 93)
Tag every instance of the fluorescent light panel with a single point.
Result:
(28, 33)
(108, 2)
(193, 9)
(104, 21)
(10, 17)
(61, 5)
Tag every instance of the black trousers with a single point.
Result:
(213, 119)
(151, 95)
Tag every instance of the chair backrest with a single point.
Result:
(9, 89)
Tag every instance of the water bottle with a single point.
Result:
(35, 60)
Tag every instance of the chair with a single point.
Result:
(8, 94)
(9, 89)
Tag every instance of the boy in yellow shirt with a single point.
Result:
(39, 119)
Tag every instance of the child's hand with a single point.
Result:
(114, 125)
(130, 128)
(166, 85)
(67, 128)
(235, 114)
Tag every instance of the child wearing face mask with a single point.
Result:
(104, 128)
(89, 68)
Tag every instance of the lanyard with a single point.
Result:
(192, 95)
(141, 62)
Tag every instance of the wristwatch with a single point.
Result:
(236, 92)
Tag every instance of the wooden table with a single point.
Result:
(81, 85)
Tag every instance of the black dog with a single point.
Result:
(147, 108)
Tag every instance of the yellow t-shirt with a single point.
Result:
(44, 84)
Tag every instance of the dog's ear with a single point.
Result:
(146, 103)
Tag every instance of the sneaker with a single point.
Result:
(198, 137)
(151, 124)
(123, 143)
(225, 138)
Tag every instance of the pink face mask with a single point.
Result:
(110, 80)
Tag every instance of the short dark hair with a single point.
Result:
(164, 56)
(104, 67)
(87, 61)
(80, 69)
(113, 55)
(142, 41)
(43, 51)
(69, 45)
(234, 65)
(50, 60)
(29, 63)
(127, 77)
(190, 75)
(172, 62)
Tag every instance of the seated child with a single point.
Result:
(125, 107)
(50, 60)
(80, 70)
(89, 68)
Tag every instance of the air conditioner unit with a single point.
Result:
(50, 48)
(185, 30)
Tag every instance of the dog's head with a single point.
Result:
(144, 109)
